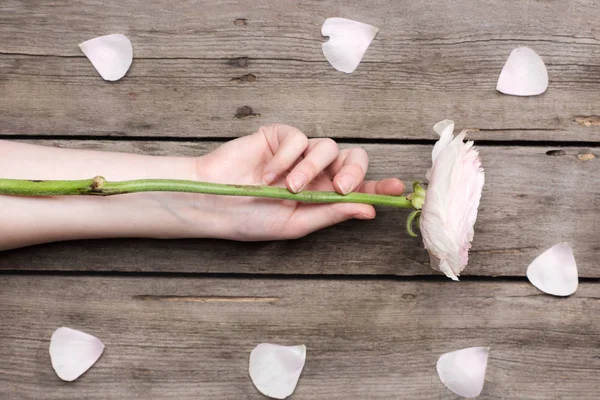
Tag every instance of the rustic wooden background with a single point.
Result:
(179, 318)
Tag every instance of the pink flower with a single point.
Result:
(450, 209)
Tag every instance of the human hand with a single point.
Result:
(281, 155)
(296, 162)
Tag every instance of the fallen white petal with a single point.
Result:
(111, 55)
(275, 369)
(463, 371)
(524, 74)
(348, 42)
(73, 352)
(555, 271)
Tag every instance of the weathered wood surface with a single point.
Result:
(430, 61)
(196, 65)
(175, 338)
(531, 201)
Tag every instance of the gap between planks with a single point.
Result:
(271, 277)
(426, 142)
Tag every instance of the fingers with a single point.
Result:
(349, 170)
(306, 159)
(319, 154)
(388, 186)
(287, 144)
(312, 217)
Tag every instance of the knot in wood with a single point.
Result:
(245, 112)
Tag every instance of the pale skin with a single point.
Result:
(276, 154)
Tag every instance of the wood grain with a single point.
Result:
(365, 340)
(205, 29)
(531, 201)
(430, 61)
(206, 69)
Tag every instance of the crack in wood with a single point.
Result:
(207, 299)
(556, 153)
(510, 129)
(515, 250)
(453, 42)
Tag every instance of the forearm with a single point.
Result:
(26, 221)
(275, 155)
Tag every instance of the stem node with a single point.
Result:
(97, 184)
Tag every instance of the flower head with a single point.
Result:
(450, 209)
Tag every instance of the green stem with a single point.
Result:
(410, 221)
(100, 187)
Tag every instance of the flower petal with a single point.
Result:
(524, 74)
(444, 267)
(463, 371)
(111, 55)
(275, 369)
(73, 352)
(449, 212)
(445, 129)
(555, 271)
(348, 42)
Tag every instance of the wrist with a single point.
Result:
(186, 215)
(173, 214)
(151, 214)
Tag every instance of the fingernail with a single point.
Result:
(345, 184)
(269, 178)
(297, 182)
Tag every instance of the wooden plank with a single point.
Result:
(430, 61)
(183, 338)
(531, 201)
(197, 98)
(273, 29)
